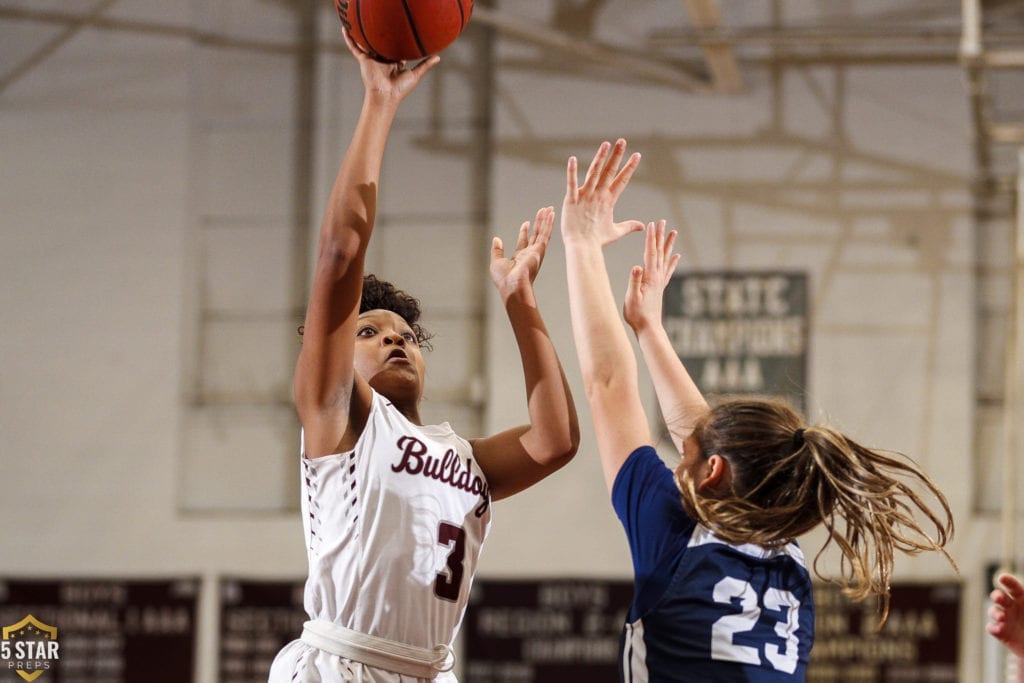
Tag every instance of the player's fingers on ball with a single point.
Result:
(351, 44)
(426, 65)
(358, 51)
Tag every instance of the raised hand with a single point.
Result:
(588, 209)
(644, 294)
(518, 272)
(1007, 614)
(389, 82)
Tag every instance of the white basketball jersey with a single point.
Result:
(393, 532)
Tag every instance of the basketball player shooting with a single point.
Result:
(395, 512)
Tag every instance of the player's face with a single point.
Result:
(387, 354)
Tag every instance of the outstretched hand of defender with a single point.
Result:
(646, 289)
(517, 273)
(1007, 614)
(389, 82)
(588, 209)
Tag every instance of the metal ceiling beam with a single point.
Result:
(834, 37)
(817, 35)
(721, 60)
(978, 57)
(640, 66)
(80, 21)
(43, 53)
(655, 70)
(1001, 59)
(1006, 133)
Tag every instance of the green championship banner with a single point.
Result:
(257, 619)
(741, 333)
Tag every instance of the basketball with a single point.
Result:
(397, 30)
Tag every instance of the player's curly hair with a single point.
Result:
(787, 478)
(384, 295)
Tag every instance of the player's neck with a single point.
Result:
(412, 412)
(409, 407)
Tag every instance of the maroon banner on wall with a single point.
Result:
(257, 619)
(563, 630)
(98, 631)
(544, 631)
(919, 642)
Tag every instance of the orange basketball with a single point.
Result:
(396, 30)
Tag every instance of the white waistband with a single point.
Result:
(377, 652)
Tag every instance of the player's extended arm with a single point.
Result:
(519, 457)
(324, 374)
(605, 355)
(681, 401)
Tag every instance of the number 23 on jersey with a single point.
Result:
(780, 604)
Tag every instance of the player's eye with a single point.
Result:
(366, 331)
(410, 337)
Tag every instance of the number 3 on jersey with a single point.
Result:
(448, 584)
(723, 645)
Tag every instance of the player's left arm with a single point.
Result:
(520, 457)
(681, 401)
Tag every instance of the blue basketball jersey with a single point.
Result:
(704, 609)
